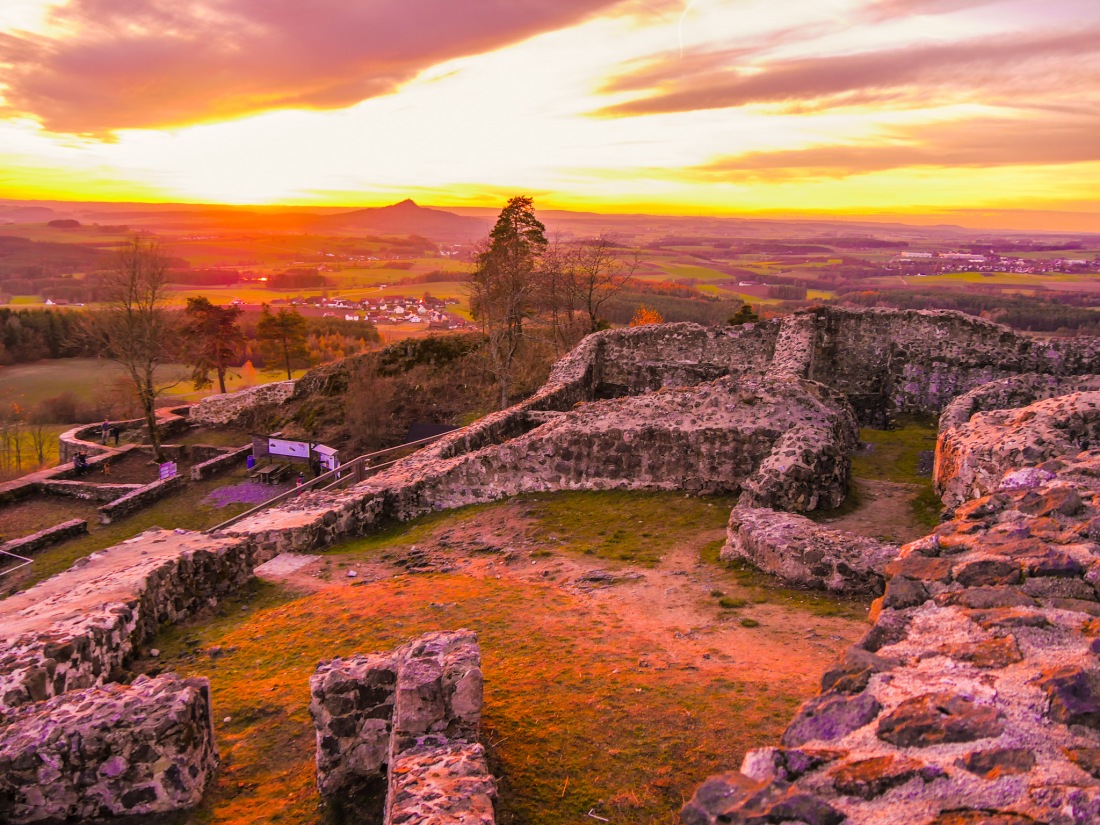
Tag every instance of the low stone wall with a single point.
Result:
(397, 734)
(781, 443)
(1012, 392)
(87, 437)
(140, 498)
(140, 749)
(29, 545)
(88, 491)
(223, 461)
(227, 408)
(972, 459)
(77, 628)
(805, 554)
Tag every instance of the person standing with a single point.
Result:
(105, 429)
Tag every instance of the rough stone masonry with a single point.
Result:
(972, 698)
(397, 734)
(975, 695)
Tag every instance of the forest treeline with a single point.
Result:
(28, 335)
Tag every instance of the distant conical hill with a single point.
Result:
(406, 218)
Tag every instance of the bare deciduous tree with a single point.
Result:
(134, 327)
(596, 270)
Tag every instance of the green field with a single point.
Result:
(692, 271)
(92, 379)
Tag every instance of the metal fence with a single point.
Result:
(21, 561)
(352, 472)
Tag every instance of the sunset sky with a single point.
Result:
(980, 112)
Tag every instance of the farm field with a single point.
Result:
(92, 378)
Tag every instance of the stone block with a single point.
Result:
(351, 702)
(134, 750)
(439, 782)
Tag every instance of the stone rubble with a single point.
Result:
(972, 458)
(975, 695)
(805, 554)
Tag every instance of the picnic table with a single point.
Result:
(271, 473)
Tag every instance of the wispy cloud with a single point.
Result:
(987, 142)
(115, 64)
(719, 79)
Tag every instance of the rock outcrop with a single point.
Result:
(975, 695)
(803, 553)
(397, 734)
(972, 459)
(115, 750)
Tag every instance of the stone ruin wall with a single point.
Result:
(805, 554)
(74, 744)
(81, 627)
(397, 734)
(893, 362)
(975, 695)
(780, 443)
(219, 410)
(110, 751)
(74, 653)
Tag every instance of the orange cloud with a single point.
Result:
(111, 64)
(982, 142)
(922, 73)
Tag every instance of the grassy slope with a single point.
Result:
(86, 377)
(574, 724)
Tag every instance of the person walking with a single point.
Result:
(105, 429)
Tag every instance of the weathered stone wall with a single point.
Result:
(805, 554)
(140, 498)
(397, 734)
(972, 459)
(35, 542)
(77, 628)
(891, 362)
(1012, 392)
(974, 697)
(784, 443)
(633, 360)
(227, 408)
(87, 490)
(351, 702)
(220, 463)
(140, 749)
(87, 437)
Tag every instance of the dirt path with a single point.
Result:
(885, 512)
(672, 605)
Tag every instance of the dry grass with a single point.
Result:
(573, 722)
(585, 709)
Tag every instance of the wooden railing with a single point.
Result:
(352, 472)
